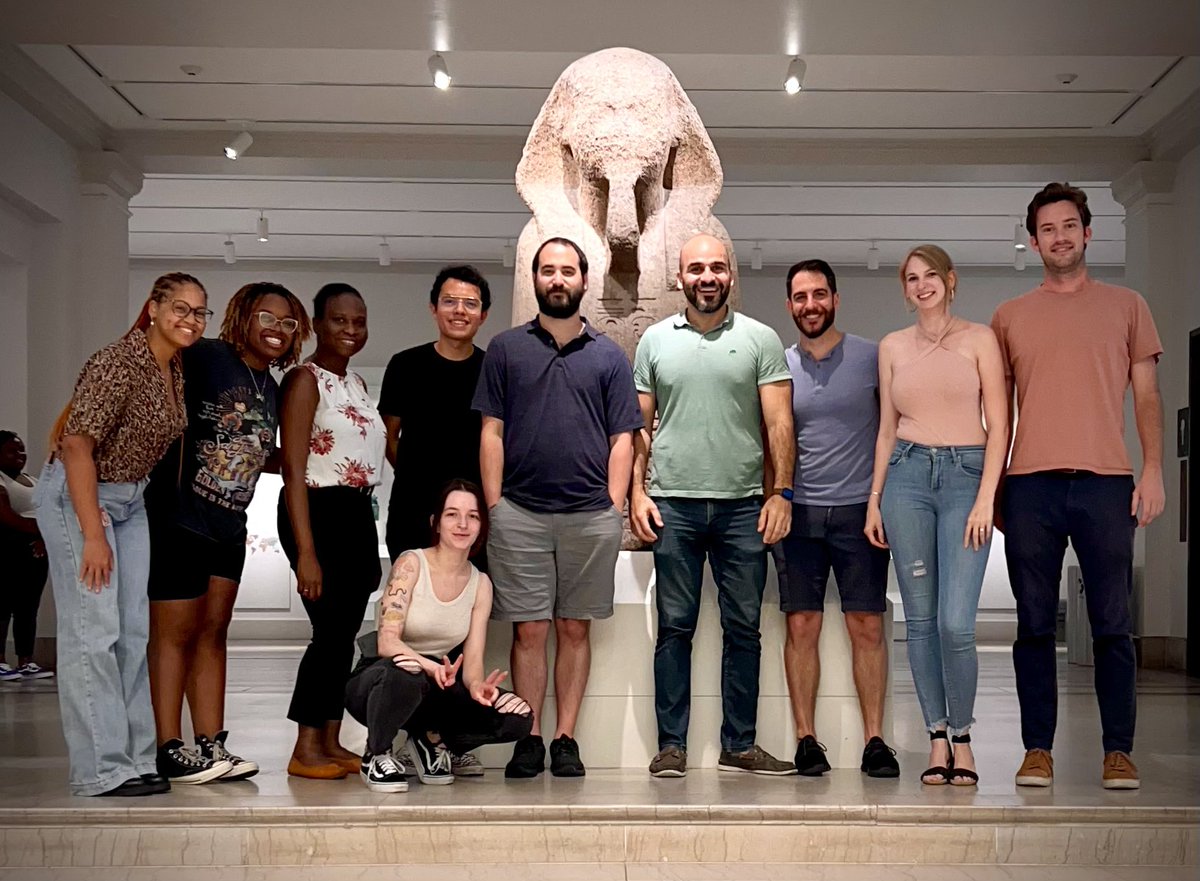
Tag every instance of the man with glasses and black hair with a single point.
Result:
(432, 432)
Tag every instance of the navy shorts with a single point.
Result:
(182, 561)
(824, 539)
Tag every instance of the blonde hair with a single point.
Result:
(939, 261)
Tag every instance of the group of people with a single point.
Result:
(514, 470)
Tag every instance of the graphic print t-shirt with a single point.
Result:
(232, 420)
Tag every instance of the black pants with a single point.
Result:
(343, 528)
(1041, 512)
(21, 589)
(386, 699)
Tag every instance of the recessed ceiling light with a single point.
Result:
(191, 69)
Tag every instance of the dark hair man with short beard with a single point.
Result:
(559, 411)
(1071, 347)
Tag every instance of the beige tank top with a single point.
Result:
(433, 627)
(937, 393)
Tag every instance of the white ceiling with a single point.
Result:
(967, 72)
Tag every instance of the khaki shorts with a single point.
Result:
(547, 566)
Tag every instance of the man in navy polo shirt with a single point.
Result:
(556, 454)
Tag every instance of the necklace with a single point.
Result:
(258, 392)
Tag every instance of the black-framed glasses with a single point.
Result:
(287, 325)
(181, 309)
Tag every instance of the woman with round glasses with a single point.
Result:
(197, 500)
(126, 410)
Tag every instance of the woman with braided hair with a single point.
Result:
(197, 501)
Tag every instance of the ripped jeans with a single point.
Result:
(926, 501)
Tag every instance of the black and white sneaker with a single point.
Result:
(214, 750)
(383, 773)
(182, 765)
(431, 760)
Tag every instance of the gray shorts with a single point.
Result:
(547, 566)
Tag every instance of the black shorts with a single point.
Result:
(824, 538)
(182, 562)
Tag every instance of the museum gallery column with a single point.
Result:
(1152, 267)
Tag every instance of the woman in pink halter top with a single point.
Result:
(938, 460)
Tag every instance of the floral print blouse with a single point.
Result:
(346, 447)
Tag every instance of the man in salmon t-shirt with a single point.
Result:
(1071, 347)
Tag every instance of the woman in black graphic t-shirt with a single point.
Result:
(197, 501)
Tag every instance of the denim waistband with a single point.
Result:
(907, 448)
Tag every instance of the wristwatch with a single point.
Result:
(785, 491)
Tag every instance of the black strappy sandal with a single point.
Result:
(960, 776)
(940, 774)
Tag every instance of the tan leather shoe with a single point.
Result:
(326, 771)
(1120, 772)
(1037, 769)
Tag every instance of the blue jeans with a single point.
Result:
(725, 531)
(926, 501)
(103, 678)
(1042, 511)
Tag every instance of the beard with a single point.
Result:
(558, 307)
(826, 323)
(1065, 262)
(693, 293)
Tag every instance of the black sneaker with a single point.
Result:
(215, 751)
(564, 758)
(528, 759)
(382, 773)
(810, 757)
(134, 786)
(182, 765)
(157, 783)
(431, 760)
(879, 759)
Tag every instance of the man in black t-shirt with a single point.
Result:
(432, 432)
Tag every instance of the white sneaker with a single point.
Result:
(383, 773)
(33, 671)
(8, 673)
(466, 765)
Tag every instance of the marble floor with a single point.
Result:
(33, 774)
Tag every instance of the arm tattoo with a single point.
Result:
(398, 593)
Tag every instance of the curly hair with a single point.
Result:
(242, 312)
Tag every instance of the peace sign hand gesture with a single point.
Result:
(445, 674)
(488, 690)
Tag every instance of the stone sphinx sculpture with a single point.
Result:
(619, 162)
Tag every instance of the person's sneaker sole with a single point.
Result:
(241, 771)
(668, 772)
(219, 769)
(568, 772)
(474, 771)
(762, 773)
(1034, 781)
(1123, 784)
(400, 786)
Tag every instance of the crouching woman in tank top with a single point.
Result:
(936, 470)
(435, 602)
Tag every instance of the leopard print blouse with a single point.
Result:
(121, 402)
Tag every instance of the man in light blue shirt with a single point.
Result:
(835, 405)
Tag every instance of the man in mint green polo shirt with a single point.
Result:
(716, 378)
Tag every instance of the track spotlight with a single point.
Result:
(437, 69)
(385, 252)
(230, 251)
(1019, 237)
(509, 256)
(264, 234)
(238, 145)
(1019, 260)
(794, 81)
(873, 257)
(756, 257)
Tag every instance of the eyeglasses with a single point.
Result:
(181, 309)
(287, 325)
(448, 303)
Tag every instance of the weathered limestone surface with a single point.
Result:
(619, 162)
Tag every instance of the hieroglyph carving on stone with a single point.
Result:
(619, 162)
